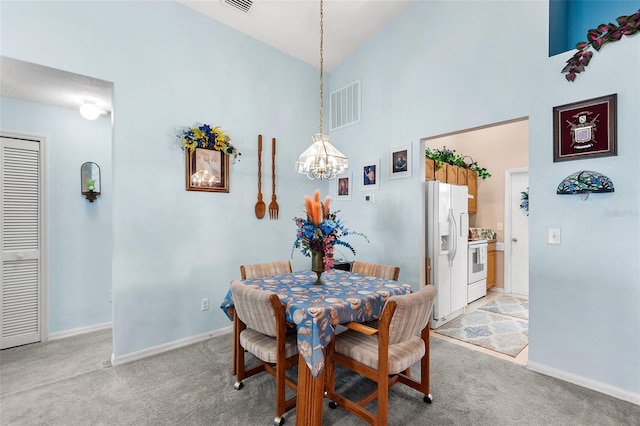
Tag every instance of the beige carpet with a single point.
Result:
(65, 383)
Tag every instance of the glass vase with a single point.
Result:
(317, 265)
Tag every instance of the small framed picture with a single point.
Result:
(343, 186)
(585, 129)
(370, 171)
(207, 170)
(400, 161)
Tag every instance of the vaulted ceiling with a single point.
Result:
(293, 26)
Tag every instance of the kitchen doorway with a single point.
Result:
(497, 147)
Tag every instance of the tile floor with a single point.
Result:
(521, 358)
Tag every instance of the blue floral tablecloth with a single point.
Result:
(317, 309)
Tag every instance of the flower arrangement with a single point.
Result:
(598, 37)
(321, 230)
(446, 155)
(524, 201)
(205, 136)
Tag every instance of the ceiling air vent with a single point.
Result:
(345, 106)
(243, 5)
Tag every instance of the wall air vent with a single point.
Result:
(345, 106)
(243, 5)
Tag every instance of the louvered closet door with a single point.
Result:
(20, 216)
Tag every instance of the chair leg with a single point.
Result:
(238, 363)
(280, 390)
(425, 366)
(235, 343)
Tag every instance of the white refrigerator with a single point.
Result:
(447, 227)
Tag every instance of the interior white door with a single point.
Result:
(518, 238)
(20, 217)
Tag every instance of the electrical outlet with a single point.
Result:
(204, 304)
(554, 236)
(499, 227)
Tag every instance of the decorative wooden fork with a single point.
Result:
(273, 205)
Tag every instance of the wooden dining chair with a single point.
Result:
(250, 272)
(263, 270)
(260, 316)
(385, 354)
(387, 272)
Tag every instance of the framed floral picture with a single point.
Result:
(400, 161)
(585, 129)
(207, 170)
(370, 179)
(343, 186)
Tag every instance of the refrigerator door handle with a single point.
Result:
(453, 241)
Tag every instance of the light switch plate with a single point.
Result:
(554, 236)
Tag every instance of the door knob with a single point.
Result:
(514, 239)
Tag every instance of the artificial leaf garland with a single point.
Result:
(598, 37)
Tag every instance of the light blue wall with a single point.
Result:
(172, 67)
(79, 232)
(585, 292)
(422, 79)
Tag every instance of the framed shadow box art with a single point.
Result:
(207, 170)
(585, 129)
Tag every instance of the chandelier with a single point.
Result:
(321, 160)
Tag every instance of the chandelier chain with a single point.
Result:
(322, 160)
(321, 63)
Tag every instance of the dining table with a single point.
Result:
(316, 310)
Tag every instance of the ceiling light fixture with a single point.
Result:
(321, 160)
(89, 111)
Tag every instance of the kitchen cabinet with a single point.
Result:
(462, 175)
(491, 264)
(456, 176)
(452, 174)
(472, 183)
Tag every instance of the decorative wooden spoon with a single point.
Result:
(261, 207)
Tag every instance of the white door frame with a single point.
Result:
(508, 173)
(44, 219)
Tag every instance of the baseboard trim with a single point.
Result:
(585, 383)
(134, 356)
(81, 330)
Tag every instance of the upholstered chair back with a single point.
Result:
(411, 315)
(254, 308)
(386, 272)
(263, 270)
